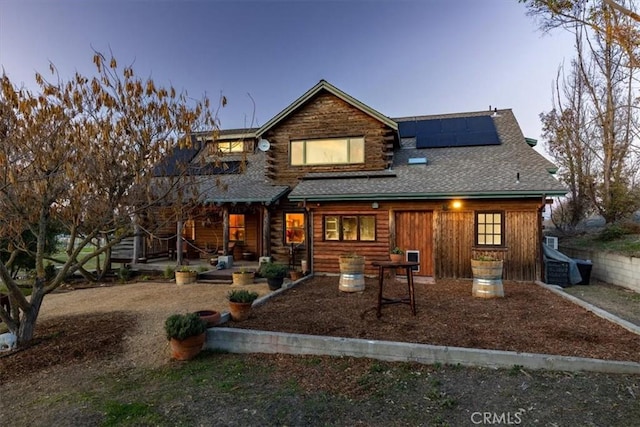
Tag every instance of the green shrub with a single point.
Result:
(611, 232)
(271, 270)
(168, 272)
(124, 273)
(49, 272)
(182, 326)
(242, 295)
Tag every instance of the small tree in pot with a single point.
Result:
(186, 334)
(275, 274)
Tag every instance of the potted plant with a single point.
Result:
(243, 277)
(487, 277)
(351, 273)
(186, 334)
(295, 274)
(209, 317)
(396, 254)
(185, 275)
(274, 273)
(240, 301)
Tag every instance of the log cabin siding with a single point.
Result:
(326, 116)
(453, 236)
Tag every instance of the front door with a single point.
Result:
(414, 234)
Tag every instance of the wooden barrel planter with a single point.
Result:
(186, 277)
(243, 278)
(487, 278)
(351, 273)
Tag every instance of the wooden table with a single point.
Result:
(409, 299)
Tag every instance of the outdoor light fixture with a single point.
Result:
(375, 205)
(456, 204)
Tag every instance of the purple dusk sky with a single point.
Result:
(402, 58)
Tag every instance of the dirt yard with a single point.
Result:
(106, 344)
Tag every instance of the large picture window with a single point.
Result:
(294, 228)
(350, 227)
(333, 151)
(489, 228)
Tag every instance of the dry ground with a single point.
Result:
(101, 351)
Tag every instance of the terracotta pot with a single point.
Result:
(210, 317)
(188, 348)
(396, 257)
(239, 310)
(243, 278)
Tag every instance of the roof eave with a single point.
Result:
(429, 196)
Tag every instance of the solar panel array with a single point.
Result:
(451, 132)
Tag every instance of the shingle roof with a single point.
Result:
(511, 169)
(246, 187)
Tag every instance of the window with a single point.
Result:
(236, 228)
(230, 147)
(327, 151)
(294, 228)
(350, 227)
(489, 228)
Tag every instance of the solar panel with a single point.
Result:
(451, 132)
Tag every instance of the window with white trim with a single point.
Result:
(334, 151)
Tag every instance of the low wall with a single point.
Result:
(611, 268)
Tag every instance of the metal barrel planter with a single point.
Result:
(351, 273)
(487, 279)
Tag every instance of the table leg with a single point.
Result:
(412, 298)
(380, 281)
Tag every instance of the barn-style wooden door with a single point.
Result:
(414, 234)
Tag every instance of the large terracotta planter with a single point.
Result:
(487, 279)
(187, 348)
(239, 311)
(243, 278)
(210, 317)
(186, 277)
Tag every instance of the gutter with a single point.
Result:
(423, 196)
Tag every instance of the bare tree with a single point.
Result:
(79, 155)
(605, 66)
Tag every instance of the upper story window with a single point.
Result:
(230, 146)
(489, 228)
(334, 151)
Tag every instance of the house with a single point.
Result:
(330, 175)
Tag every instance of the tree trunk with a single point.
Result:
(29, 316)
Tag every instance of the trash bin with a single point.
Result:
(556, 272)
(584, 267)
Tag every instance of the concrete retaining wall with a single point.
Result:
(611, 268)
(251, 341)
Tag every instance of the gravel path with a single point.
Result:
(152, 301)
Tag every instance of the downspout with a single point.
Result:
(540, 238)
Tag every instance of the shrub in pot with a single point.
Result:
(274, 273)
(185, 275)
(240, 301)
(186, 334)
